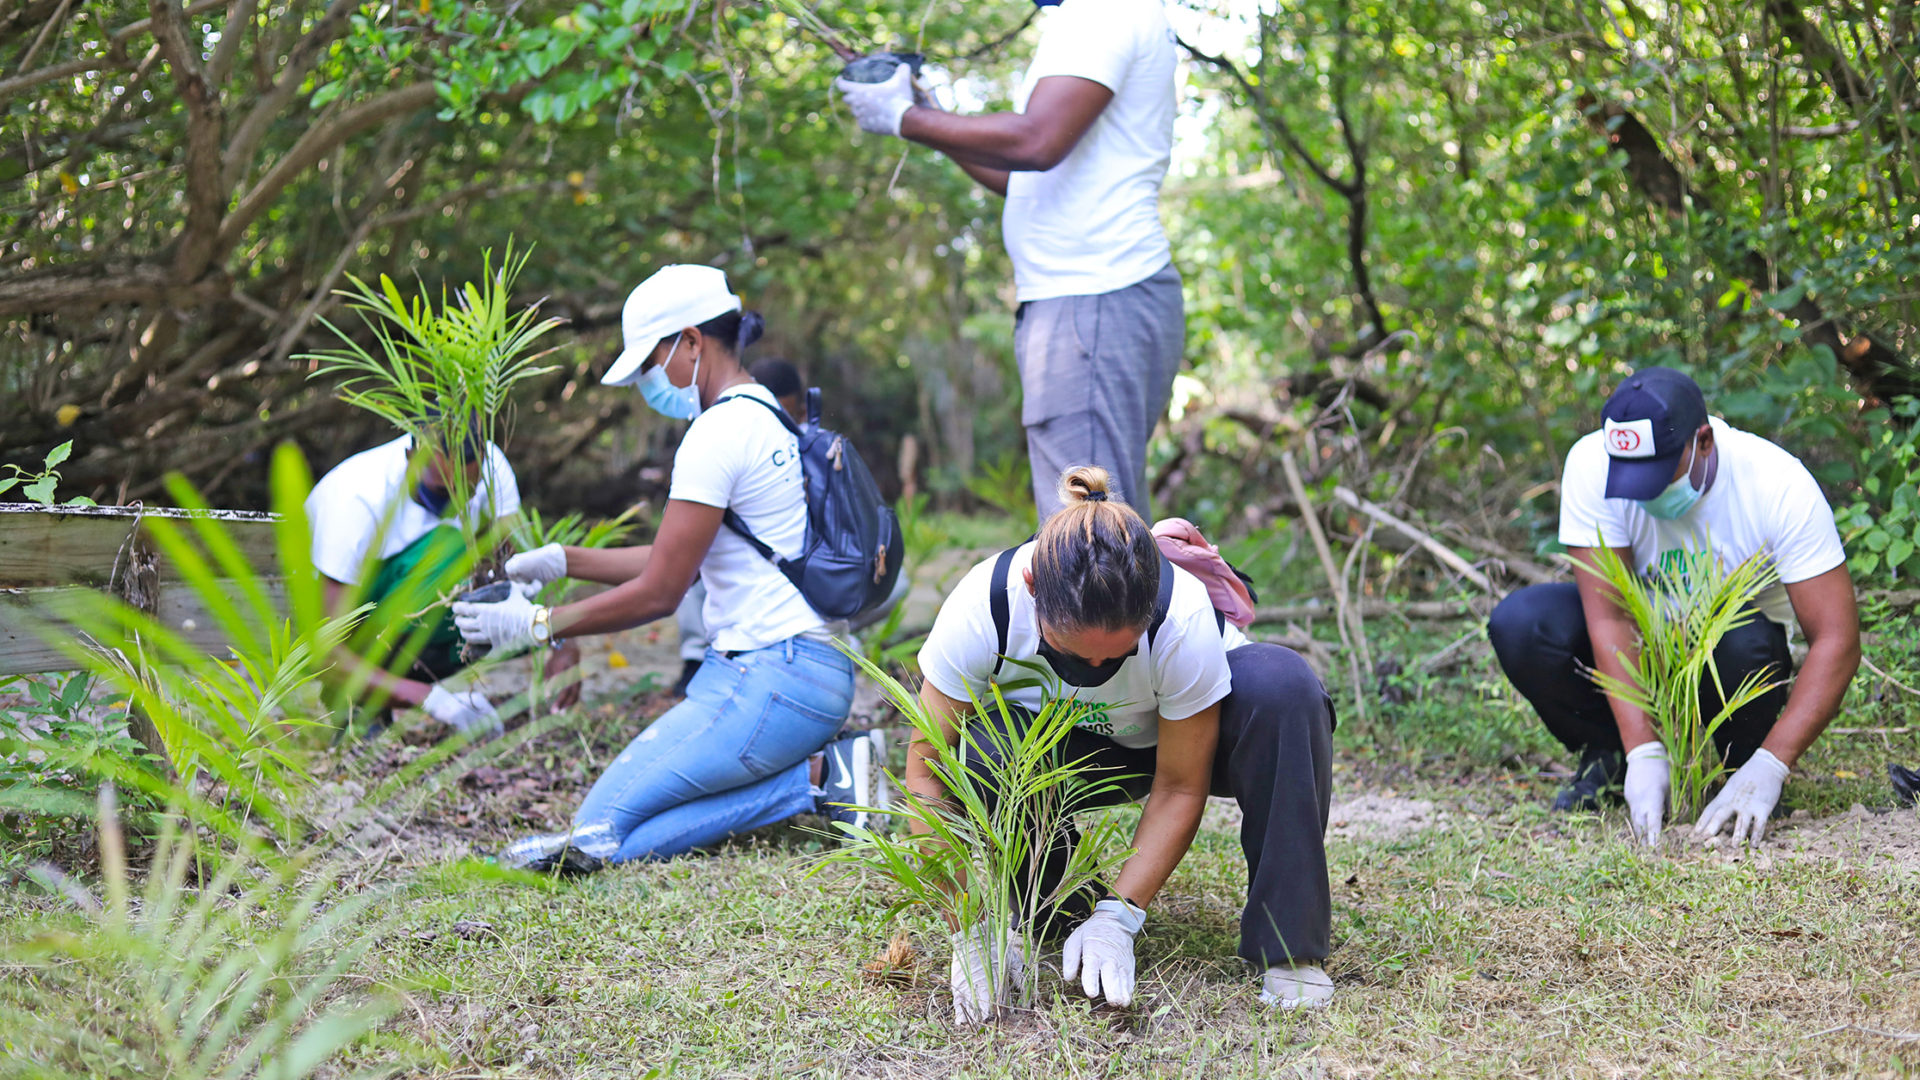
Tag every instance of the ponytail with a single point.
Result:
(1095, 563)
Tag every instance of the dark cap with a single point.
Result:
(1647, 425)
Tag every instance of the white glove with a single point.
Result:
(542, 565)
(979, 975)
(1646, 789)
(1747, 800)
(878, 107)
(466, 711)
(507, 625)
(1104, 946)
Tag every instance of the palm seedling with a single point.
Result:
(1682, 609)
(443, 374)
(975, 857)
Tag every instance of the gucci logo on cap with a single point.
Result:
(1629, 438)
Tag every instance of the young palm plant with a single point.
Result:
(442, 374)
(975, 857)
(1682, 609)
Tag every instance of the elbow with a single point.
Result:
(1036, 149)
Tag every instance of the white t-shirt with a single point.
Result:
(738, 455)
(1181, 672)
(349, 506)
(1091, 224)
(1762, 499)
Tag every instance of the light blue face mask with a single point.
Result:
(670, 401)
(1679, 497)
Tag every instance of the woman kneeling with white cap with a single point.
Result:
(745, 749)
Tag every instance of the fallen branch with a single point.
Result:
(1447, 556)
(1435, 610)
(1337, 581)
(1518, 565)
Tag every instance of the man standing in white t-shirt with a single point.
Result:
(1658, 478)
(384, 526)
(1101, 323)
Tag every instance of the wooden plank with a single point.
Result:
(42, 547)
(23, 651)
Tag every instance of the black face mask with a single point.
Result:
(436, 500)
(1077, 672)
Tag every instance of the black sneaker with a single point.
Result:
(688, 669)
(1595, 782)
(854, 781)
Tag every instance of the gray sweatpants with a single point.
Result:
(1095, 376)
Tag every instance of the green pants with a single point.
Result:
(408, 582)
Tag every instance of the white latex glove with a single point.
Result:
(980, 974)
(1747, 800)
(878, 107)
(466, 711)
(542, 565)
(507, 625)
(1646, 790)
(1103, 946)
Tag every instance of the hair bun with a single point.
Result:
(1085, 483)
(751, 327)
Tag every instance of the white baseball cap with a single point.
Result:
(674, 298)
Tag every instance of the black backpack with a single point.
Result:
(852, 553)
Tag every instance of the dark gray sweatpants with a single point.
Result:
(1275, 758)
(1095, 376)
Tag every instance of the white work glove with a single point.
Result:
(507, 625)
(979, 974)
(1646, 790)
(541, 566)
(1747, 800)
(878, 107)
(466, 711)
(1103, 945)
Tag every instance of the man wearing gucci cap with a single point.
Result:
(1658, 478)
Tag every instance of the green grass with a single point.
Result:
(1508, 942)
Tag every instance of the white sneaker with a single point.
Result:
(1303, 987)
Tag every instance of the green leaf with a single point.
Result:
(7, 484)
(41, 490)
(80, 501)
(678, 64)
(1898, 553)
(1788, 296)
(326, 94)
(59, 453)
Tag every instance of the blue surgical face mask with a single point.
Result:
(1680, 496)
(1046, 3)
(670, 401)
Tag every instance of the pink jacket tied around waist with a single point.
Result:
(1180, 541)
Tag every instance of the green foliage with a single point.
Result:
(39, 486)
(55, 750)
(974, 857)
(443, 376)
(1881, 524)
(247, 974)
(1006, 484)
(1682, 609)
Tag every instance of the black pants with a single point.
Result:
(1275, 759)
(1540, 635)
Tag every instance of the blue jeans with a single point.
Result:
(731, 757)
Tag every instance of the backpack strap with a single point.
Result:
(1162, 603)
(733, 520)
(1001, 608)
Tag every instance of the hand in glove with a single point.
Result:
(541, 566)
(878, 107)
(466, 711)
(1103, 946)
(1646, 790)
(1747, 800)
(507, 625)
(980, 973)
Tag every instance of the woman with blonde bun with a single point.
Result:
(1182, 705)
